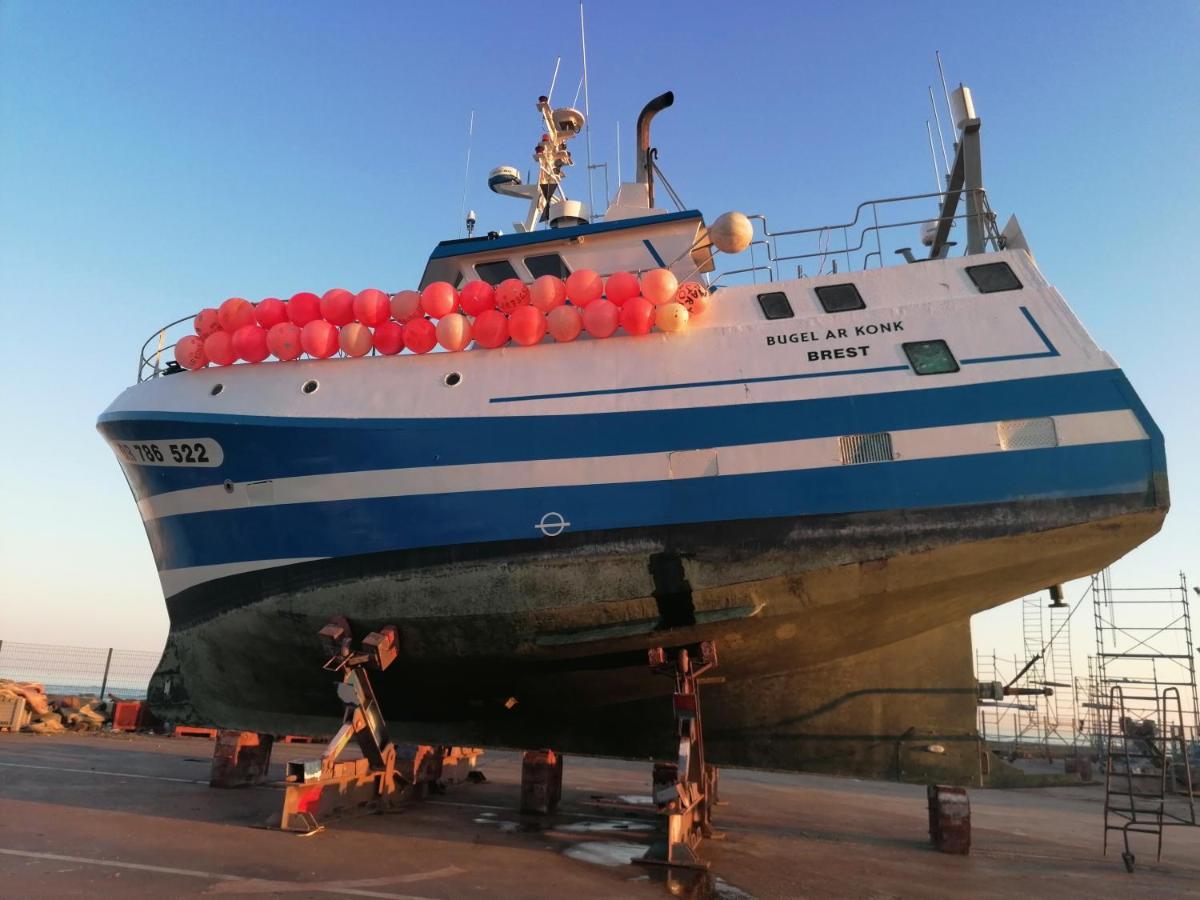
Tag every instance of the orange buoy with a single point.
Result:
(319, 339)
(584, 286)
(234, 313)
(218, 347)
(355, 339)
(659, 286)
(189, 352)
(303, 308)
(372, 307)
(420, 335)
(527, 325)
(637, 315)
(490, 329)
(565, 323)
(621, 286)
(283, 340)
(389, 338)
(406, 306)
(477, 296)
(454, 331)
(206, 322)
(547, 292)
(694, 296)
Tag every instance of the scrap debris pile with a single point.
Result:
(25, 706)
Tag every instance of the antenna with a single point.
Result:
(466, 176)
(553, 79)
(938, 120)
(937, 176)
(587, 112)
(618, 154)
(946, 91)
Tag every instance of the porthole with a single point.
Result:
(930, 357)
(216, 389)
(775, 305)
(993, 277)
(310, 386)
(452, 379)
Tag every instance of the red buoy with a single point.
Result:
(189, 352)
(270, 312)
(234, 313)
(547, 292)
(250, 343)
(420, 335)
(564, 323)
(218, 347)
(371, 307)
(584, 286)
(637, 315)
(206, 322)
(337, 306)
(389, 338)
(477, 296)
(601, 318)
(283, 340)
(406, 306)
(527, 325)
(319, 339)
(621, 286)
(439, 299)
(303, 308)
(511, 294)
(490, 329)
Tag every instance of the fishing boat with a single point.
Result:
(852, 451)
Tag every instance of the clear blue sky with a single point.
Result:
(159, 157)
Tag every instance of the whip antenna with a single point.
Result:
(938, 120)
(587, 112)
(462, 212)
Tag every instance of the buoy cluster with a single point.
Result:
(479, 315)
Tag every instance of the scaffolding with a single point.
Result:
(1144, 646)
(1144, 693)
(1062, 718)
(1033, 737)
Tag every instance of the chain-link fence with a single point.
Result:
(80, 670)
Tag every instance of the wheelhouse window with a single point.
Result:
(930, 357)
(775, 305)
(836, 298)
(994, 277)
(496, 271)
(549, 264)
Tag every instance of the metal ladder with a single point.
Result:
(1146, 801)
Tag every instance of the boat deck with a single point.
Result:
(133, 815)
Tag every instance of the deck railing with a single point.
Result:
(862, 244)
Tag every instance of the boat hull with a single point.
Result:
(858, 594)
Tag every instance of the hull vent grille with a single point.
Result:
(866, 448)
(1027, 434)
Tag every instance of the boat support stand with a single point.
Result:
(317, 791)
(685, 791)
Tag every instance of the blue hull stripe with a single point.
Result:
(393, 523)
(260, 447)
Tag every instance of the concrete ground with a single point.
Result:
(113, 814)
